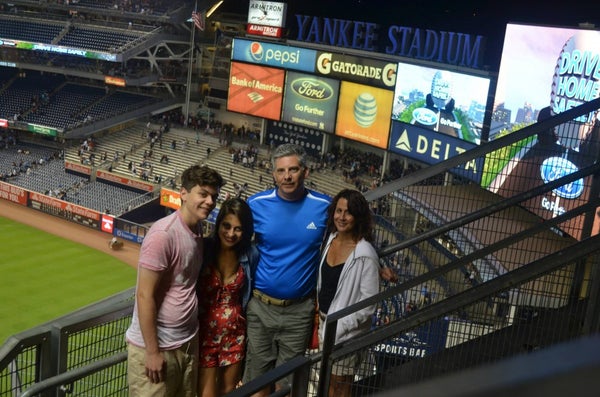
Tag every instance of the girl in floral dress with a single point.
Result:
(224, 288)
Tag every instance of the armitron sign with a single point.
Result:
(260, 30)
(267, 13)
(266, 18)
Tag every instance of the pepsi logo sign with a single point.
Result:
(256, 51)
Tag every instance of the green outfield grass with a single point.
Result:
(43, 277)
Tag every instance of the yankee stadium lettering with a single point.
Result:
(452, 48)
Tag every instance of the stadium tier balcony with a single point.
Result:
(26, 30)
(93, 39)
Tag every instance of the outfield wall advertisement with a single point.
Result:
(64, 209)
(13, 193)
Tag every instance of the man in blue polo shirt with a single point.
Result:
(289, 223)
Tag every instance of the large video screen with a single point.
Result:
(447, 102)
(544, 66)
(310, 101)
(364, 114)
(255, 90)
(544, 71)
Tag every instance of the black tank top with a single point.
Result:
(330, 275)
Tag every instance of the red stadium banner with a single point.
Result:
(107, 176)
(81, 169)
(107, 223)
(13, 193)
(3, 123)
(261, 30)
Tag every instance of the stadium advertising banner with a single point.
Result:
(270, 54)
(422, 342)
(266, 18)
(562, 71)
(267, 13)
(26, 45)
(450, 103)
(107, 223)
(40, 129)
(13, 193)
(260, 30)
(170, 198)
(364, 114)
(77, 168)
(3, 123)
(127, 235)
(430, 147)
(118, 81)
(255, 90)
(131, 184)
(63, 209)
(360, 70)
(310, 139)
(310, 101)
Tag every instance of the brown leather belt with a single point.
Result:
(269, 300)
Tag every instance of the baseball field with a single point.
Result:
(50, 267)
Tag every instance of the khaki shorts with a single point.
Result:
(347, 365)
(181, 379)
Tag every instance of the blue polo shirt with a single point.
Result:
(288, 236)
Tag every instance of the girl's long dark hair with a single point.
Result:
(241, 209)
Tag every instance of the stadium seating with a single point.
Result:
(95, 39)
(27, 30)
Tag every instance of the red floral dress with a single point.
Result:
(222, 324)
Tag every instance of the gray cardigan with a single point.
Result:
(359, 280)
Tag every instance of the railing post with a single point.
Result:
(325, 369)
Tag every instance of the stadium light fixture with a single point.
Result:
(213, 8)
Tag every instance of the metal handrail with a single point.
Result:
(67, 378)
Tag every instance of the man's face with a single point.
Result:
(197, 203)
(289, 176)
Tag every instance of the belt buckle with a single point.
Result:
(264, 298)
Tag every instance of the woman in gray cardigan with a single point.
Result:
(348, 273)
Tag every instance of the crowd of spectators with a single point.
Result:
(24, 162)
